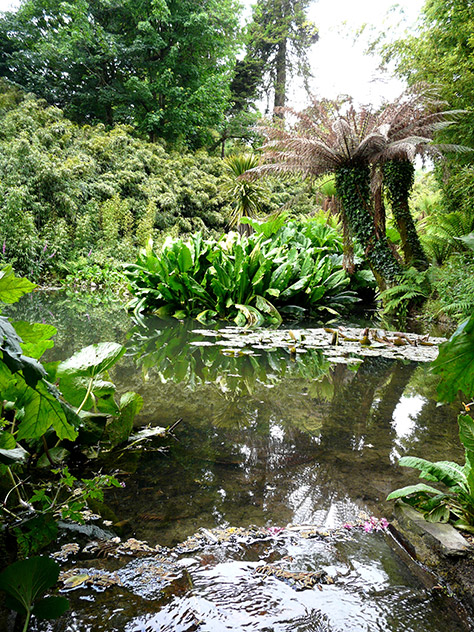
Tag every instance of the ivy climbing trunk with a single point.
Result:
(353, 189)
(399, 176)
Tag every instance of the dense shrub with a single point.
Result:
(67, 189)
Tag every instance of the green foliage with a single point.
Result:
(13, 288)
(455, 365)
(399, 178)
(443, 234)
(74, 200)
(439, 53)
(72, 402)
(67, 190)
(352, 185)
(95, 271)
(453, 288)
(244, 279)
(413, 287)
(164, 67)
(248, 196)
(68, 498)
(438, 506)
(25, 583)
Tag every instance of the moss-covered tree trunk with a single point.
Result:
(399, 176)
(353, 189)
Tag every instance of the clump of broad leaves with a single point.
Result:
(454, 503)
(251, 280)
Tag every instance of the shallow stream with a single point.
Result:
(268, 438)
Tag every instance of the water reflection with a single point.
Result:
(268, 437)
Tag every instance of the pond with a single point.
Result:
(269, 437)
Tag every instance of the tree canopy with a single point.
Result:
(164, 66)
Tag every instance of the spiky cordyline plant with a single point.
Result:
(248, 197)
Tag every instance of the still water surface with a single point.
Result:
(266, 439)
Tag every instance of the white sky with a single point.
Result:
(338, 60)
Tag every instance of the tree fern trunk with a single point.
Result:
(399, 176)
(353, 189)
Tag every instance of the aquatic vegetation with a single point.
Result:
(246, 279)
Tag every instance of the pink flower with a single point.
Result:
(274, 530)
(347, 525)
(374, 524)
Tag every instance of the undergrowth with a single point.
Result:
(453, 285)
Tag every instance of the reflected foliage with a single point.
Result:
(177, 352)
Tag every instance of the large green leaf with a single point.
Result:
(74, 389)
(12, 354)
(43, 409)
(92, 360)
(267, 308)
(455, 363)
(403, 492)
(295, 288)
(28, 580)
(469, 471)
(450, 474)
(466, 432)
(185, 259)
(36, 338)
(7, 440)
(12, 288)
